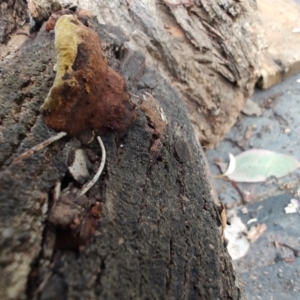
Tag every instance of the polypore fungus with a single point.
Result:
(87, 93)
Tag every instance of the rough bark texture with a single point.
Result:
(209, 50)
(157, 236)
(13, 14)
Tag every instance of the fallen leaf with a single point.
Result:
(257, 165)
(235, 234)
(231, 165)
(292, 207)
(255, 232)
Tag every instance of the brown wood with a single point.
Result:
(210, 51)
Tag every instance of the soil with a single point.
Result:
(271, 270)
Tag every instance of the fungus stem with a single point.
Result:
(39, 147)
(89, 184)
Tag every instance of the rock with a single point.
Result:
(78, 169)
(280, 20)
(251, 108)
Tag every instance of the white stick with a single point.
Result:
(89, 184)
(39, 147)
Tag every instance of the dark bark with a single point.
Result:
(157, 236)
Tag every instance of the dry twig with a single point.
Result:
(39, 147)
(89, 184)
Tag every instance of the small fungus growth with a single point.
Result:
(87, 93)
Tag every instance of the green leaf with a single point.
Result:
(257, 165)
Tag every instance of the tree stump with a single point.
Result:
(149, 228)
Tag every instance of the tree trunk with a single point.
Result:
(148, 229)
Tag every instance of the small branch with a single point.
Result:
(38, 147)
(295, 251)
(89, 184)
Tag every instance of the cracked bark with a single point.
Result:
(12, 15)
(157, 236)
(219, 41)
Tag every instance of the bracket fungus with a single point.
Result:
(87, 93)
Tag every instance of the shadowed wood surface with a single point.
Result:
(148, 229)
(157, 236)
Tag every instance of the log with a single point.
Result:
(149, 228)
(209, 50)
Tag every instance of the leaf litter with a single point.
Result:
(238, 237)
(293, 207)
(251, 108)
